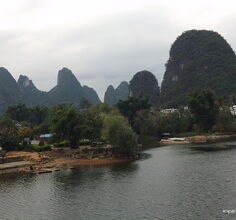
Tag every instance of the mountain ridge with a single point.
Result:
(67, 90)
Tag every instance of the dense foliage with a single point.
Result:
(33, 115)
(121, 126)
(119, 133)
(131, 106)
(9, 138)
(204, 109)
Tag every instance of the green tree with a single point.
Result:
(120, 135)
(129, 107)
(84, 104)
(18, 112)
(34, 115)
(66, 123)
(38, 114)
(204, 107)
(145, 123)
(225, 121)
(92, 125)
(9, 138)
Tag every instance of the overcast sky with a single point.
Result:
(103, 42)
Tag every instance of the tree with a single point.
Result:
(25, 131)
(84, 104)
(66, 123)
(9, 138)
(38, 114)
(225, 121)
(204, 108)
(129, 107)
(145, 123)
(34, 115)
(120, 135)
(18, 112)
(92, 125)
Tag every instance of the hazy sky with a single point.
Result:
(103, 42)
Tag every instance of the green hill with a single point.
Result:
(198, 59)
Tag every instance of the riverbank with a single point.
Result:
(63, 158)
(198, 139)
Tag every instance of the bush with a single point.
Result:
(120, 135)
(62, 144)
(9, 138)
(37, 148)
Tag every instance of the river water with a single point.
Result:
(172, 182)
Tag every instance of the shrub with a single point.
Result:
(37, 148)
(9, 139)
(64, 143)
(120, 135)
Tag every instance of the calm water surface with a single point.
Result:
(172, 182)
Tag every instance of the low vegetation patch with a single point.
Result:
(37, 148)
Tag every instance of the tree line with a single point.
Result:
(120, 126)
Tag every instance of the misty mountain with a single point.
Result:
(145, 84)
(112, 96)
(67, 90)
(30, 94)
(91, 95)
(9, 91)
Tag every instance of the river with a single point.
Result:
(171, 182)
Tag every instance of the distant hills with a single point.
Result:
(30, 94)
(199, 59)
(67, 90)
(143, 84)
(112, 96)
(9, 90)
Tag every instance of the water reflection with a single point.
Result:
(172, 182)
(214, 147)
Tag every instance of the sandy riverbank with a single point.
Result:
(63, 158)
(198, 139)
